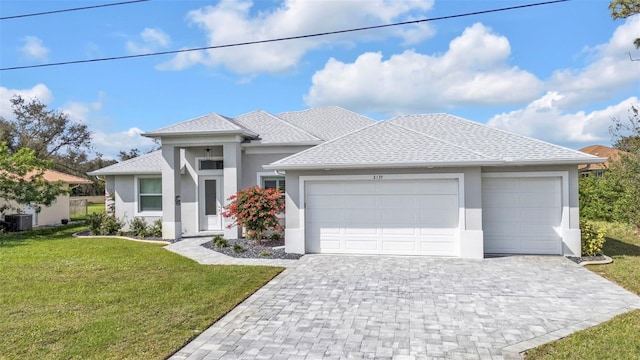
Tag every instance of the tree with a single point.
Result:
(49, 133)
(133, 153)
(626, 171)
(22, 181)
(622, 9)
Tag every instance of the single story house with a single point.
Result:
(432, 184)
(611, 154)
(59, 209)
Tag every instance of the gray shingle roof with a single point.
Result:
(273, 130)
(494, 143)
(207, 124)
(150, 163)
(431, 140)
(327, 122)
(383, 144)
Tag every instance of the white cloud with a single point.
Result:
(545, 119)
(474, 71)
(33, 49)
(80, 111)
(39, 91)
(110, 144)
(152, 40)
(609, 70)
(233, 21)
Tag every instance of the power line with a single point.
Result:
(72, 9)
(283, 38)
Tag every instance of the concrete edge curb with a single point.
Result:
(607, 260)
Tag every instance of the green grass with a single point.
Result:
(68, 298)
(91, 208)
(617, 338)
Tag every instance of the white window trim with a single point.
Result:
(263, 174)
(136, 194)
(217, 172)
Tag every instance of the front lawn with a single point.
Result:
(68, 298)
(617, 338)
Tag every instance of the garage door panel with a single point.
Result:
(520, 215)
(439, 219)
(367, 245)
(441, 201)
(383, 217)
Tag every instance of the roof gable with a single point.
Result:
(207, 124)
(383, 144)
(273, 130)
(326, 122)
(150, 163)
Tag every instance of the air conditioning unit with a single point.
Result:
(20, 222)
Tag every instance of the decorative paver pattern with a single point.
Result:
(383, 307)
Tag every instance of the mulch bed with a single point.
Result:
(253, 249)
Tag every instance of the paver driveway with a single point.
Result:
(412, 308)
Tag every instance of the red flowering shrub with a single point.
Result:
(256, 209)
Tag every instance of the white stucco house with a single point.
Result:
(431, 184)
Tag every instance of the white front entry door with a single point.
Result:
(210, 206)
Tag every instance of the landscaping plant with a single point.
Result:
(256, 209)
(592, 239)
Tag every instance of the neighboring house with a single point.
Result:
(59, 209)
(611, 154)
(413, 185)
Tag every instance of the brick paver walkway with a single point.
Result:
(383, 307)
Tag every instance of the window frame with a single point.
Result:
(137, 194)
(263, 176)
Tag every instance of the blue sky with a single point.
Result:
(556, 72)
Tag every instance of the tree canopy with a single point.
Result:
(622, 9)
(22, 179)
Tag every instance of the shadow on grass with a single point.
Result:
(615, 247)
(53, 233)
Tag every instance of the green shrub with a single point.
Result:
(103, 224)
(275, 236)
(95, 221)
(237, 248)
(256, 209)
(592, 240)
(220, 242)
(264, 254)
(139, 227)
(155, 229)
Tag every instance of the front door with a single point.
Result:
(210, 207)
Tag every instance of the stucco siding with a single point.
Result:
(252, 165)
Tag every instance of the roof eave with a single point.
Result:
(200, 133)
(295, 143)
(381, 165)
(108, 173)
(595, 160)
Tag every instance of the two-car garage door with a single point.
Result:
(379, 216)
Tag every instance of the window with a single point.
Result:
(211, 164)
(274, 182)
(149, 194)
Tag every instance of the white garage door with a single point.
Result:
(402, 217)
(522, 215)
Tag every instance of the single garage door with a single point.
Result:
(521, 215)
(401, 217)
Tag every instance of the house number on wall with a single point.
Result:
(377, 177)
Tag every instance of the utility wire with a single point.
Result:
(283, 38)
(67, 10)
